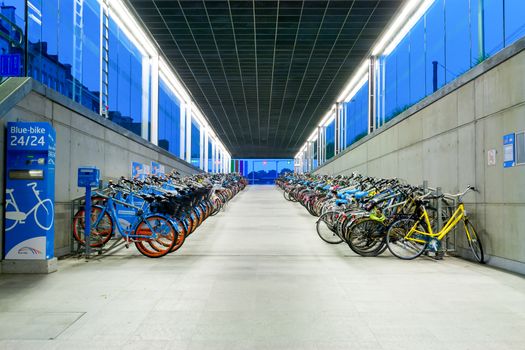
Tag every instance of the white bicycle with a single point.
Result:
(42, 209)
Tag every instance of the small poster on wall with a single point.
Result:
(137, 171)
(157, 169)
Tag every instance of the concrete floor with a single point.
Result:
(258, 277)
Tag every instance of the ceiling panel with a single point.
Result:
(265, 71)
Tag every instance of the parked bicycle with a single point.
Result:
(156, 214)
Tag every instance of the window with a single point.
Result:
(330, 140)
(60, 51)
(435, 45)
(356, 114)
(514, 20)
(265, 171)
(417, 62)
(210, 156)
(493, 26)
(458, 51)
(169, 120)
(125, 81)
(195, 144)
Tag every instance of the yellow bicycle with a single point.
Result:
(408, 238)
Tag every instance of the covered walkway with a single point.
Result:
(257, 277)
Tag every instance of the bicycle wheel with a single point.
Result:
(42, 212)
(181, 230)
(366, 237)
(156, 236)
(399, 245)
(101, 233)
(326, 226)
(474, 241)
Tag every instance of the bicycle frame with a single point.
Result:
(112, 211)
(456, 217)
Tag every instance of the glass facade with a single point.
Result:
(169, 119)
(355, 113)
(69, 50)
(450, 38)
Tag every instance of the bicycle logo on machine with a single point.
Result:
(41, 210)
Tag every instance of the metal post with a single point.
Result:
(481, 30)
(26, 41)
(87, 221)
(439, 206)
(434, 76)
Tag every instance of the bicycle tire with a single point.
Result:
(397, 244)
(326, 224)
(159, 246)
(364, 238)
(474, 241)
(103, 236)
(179, 227)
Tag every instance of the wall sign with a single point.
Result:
(509, 150)
(491, 157)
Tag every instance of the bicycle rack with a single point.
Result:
(445, 205)
(114, 245)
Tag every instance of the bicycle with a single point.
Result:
(154, 235)
(408, 238)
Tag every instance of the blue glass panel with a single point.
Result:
(169, 120)
(417, 62)
(390, 63)
(330, 140)
(403, 75)
(494, 38)
(210, 156)
(91, 55)
(34, 37)
(356, 113)
(514, 20)
(458, 38)
(125, 81)
(435, 44)
(64, 56)
(195, 144)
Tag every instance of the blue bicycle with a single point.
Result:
(153, 234)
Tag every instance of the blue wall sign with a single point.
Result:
(30, 191)
(509, 150)
(10, 65)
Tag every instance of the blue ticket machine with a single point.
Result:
(29, 191)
